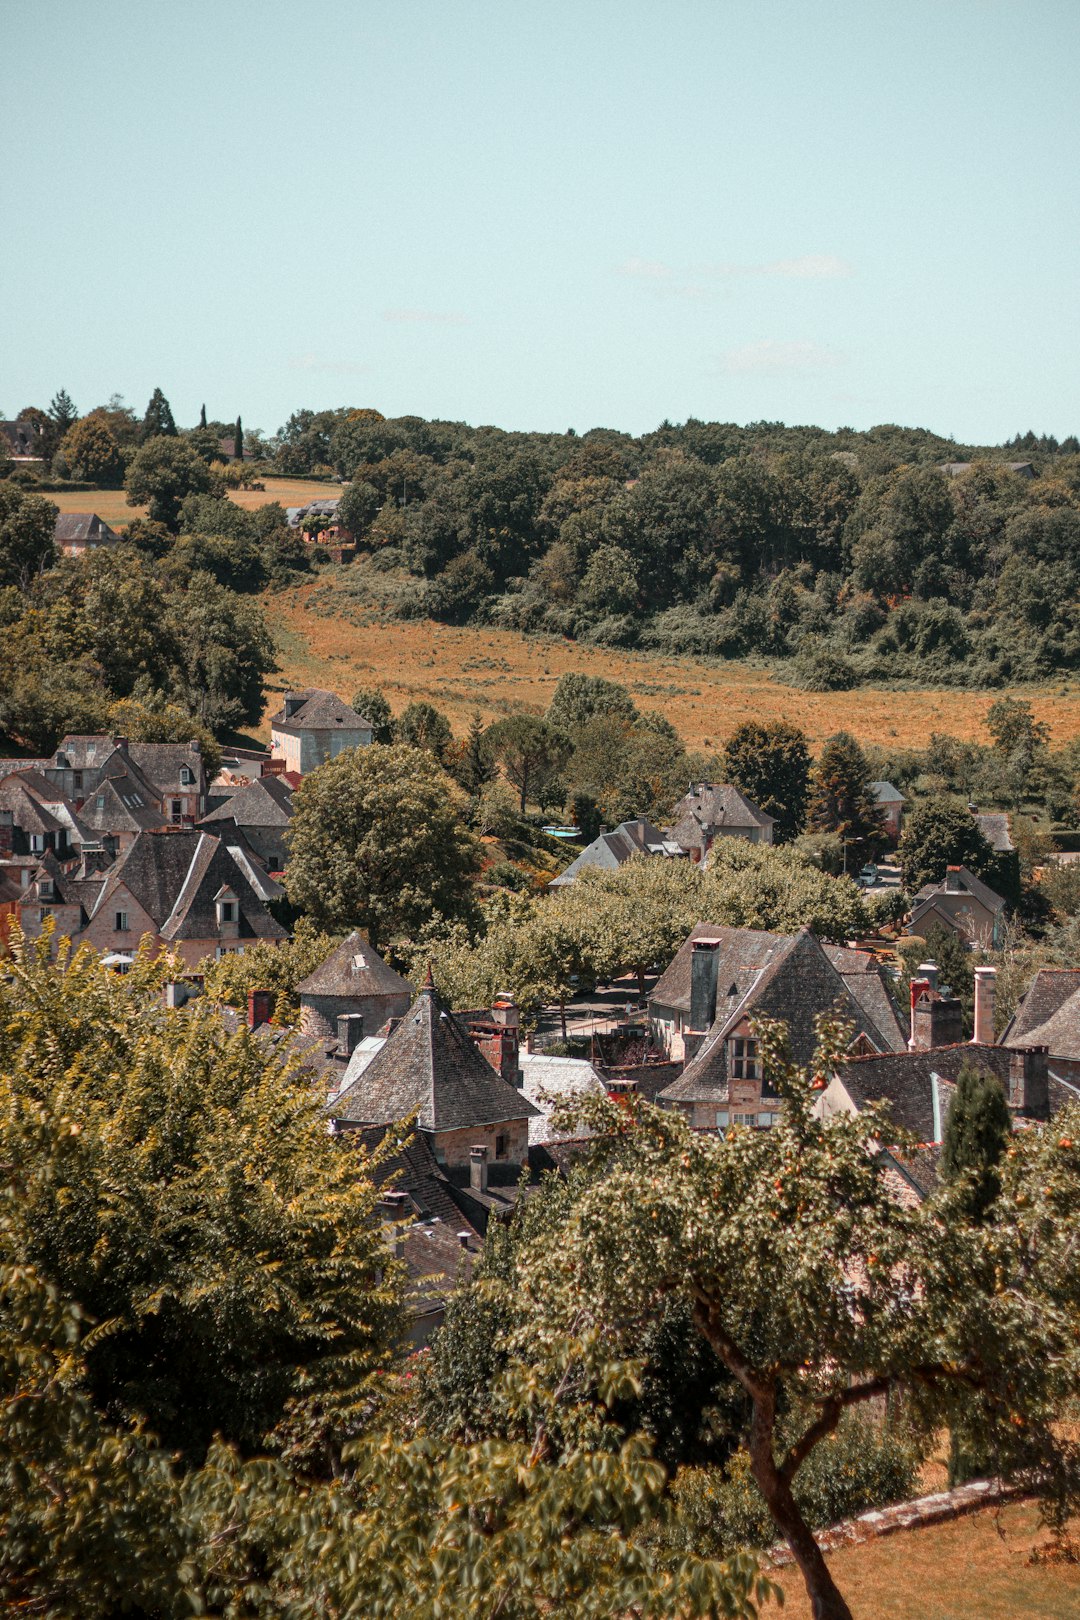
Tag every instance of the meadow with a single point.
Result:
(111, 504)
(478, 669)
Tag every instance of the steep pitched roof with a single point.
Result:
(121, 803)
(994, 826)
(741, 952)
(906, 1082)
(176, 876)
(28, 812)
(797, 984)
(611, 850)
(82, 751)
(265, 802)
(430, 1065)
(73, 526)
(161, 764)
(865, 980)
(885, 793)
(318, 711)
(719, 804)
(353, 968)
(964, 882)
(1049, 1014)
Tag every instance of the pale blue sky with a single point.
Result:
(546, 215)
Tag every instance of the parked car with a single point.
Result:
(868, 876)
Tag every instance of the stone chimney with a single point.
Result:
(916, 988)
(478, 1169)
(936, 1020)
(953, 884)
(260, 1007)
(394, 1206)
(704, 967)
(1029, 1091)
(350, 1032)
(178, 992)
(985, 988)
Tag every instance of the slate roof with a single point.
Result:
(866, 981)
(611, 850)
(967, 883)
(161, 763)
(545, 1080)
(28, 813)
(719, 804)
(905, 1080)
(994, 826)
(175, 877)
(82, 751)
(354, 969)
(320, 711)
(121, 803)
(74, 526)
(265, 802)
(430, 1065)
(1049, 1014)
(885, 793)
(795, 982)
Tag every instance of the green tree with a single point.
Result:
(422, 725)
(273, 967)
(373, 704)
(202, 416)
(1020, 745)
(977, 1132)
(92, 454)
(473, 768)
(578, 698)
(223, 651)
(377, 841)
(770, 763)
(817, 1290)
(62, 413)
(529, 750)
(27, 531)
(158, 421)
(162, 473)
(152, 718)
(840, 797)
(358, 508)
(938, 833)
(238, 440)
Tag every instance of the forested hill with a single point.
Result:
(859, 556)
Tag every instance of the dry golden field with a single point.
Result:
(976, 1568)
(111, 504)
(491, 672)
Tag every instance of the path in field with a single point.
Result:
(470, 670)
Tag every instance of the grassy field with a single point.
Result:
(111, 504)
(492, 672)
(976, 1568)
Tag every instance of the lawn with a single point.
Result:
(491, 672)
(975, 1568)
(111, 504)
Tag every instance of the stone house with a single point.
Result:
(890, 801)
(1049, 1016)
(79, 532)
(261, 810)
(313, 726)
(355, 983)
(963, 903)
(736, 975)
(610, 850)
(712, 810)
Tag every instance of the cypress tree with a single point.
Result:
(158, 422)
(202, 416)
(238, 440)
(976, 1135)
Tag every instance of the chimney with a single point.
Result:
(704, 966)
(394, 1206)
(7, 832)
(916, 987)
(1029, 1092)
(463, 1239)
(953, 885)
(260, 1008)
(936, 1020)
(985, 987)
(478, 1169)
(604, 828)
(929, 972)
(350, 1032)
(178, 992)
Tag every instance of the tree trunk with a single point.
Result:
(640, 981)
(826, 1600)
(562, 1015)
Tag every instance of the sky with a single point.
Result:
(567, 213)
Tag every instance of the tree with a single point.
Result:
(266, 966)
(840, 797)
(152, 718)
(817, 1289)
(528, 749)
(473, 767)
(202, 416)
(422, 725)
(373, 704)
(223, 650)
(977, 1133)
(938, 833)
(577, 699)
(377, 841)
(770, 763)
(1020, 743)
(158, 421)
(238, 440)
(92, 453)
(162, 473)
(358, 508)
(62, 412)
(27, 536)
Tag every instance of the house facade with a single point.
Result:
(79, 532)
(712, 810)
(890, 801)
(963, 903)
(313, 726)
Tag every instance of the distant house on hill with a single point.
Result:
(79, 532)
(964, 903)
(313, 726)
(610, 850)
(1022, 469)
(994, 826)
(712, 810)
(317, 523)
(890, 801)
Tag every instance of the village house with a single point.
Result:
(963, 903)
(890, 801)
(712, 810)
(610, 850)
(79, 532)
(703, 1009)
(261, 810)
(20, 440)
(354, 983)
(317, 523)
(313, 726)
(1048, 1017)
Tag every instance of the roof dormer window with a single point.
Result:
(187, 778)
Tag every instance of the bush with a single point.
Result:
(863, 1465)
(819, 669)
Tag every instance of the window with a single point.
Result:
(723, 1119)
(121, 923)
(230, 911)
(744, 1059)
(77, 780)
(99, 802)
(502, 1147)
(37, 843)
(177, 807)
(228, 950)
(186, 778)
(745, 1119)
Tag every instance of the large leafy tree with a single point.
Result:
(378, 841)
(223, 651)
(92, 453)
(27, 530)
(841, 800)
(938, 833)
(374, 705)
(162, 473)
(819, 1291)
(422, 725)
(529, 750)
(770, 762)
